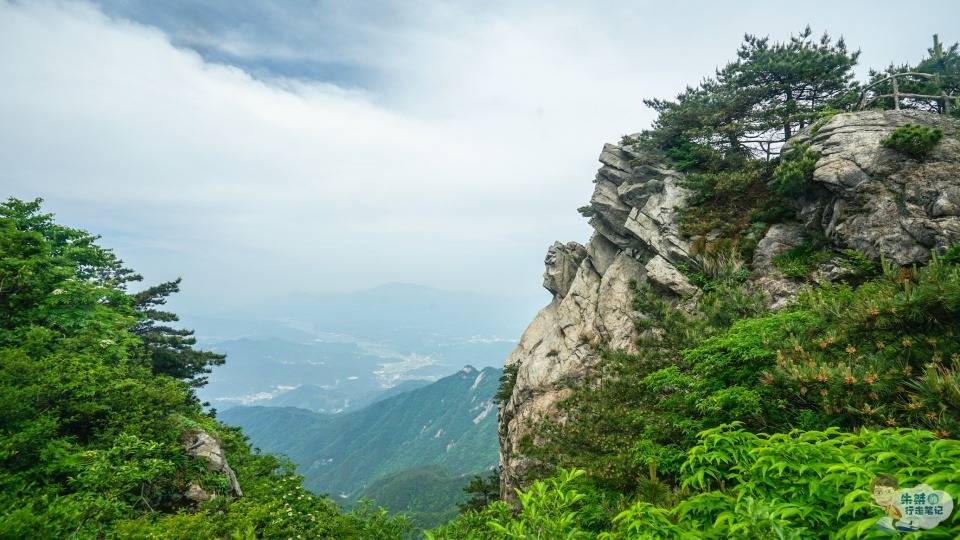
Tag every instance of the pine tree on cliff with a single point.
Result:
(791, 82)
(756, 103)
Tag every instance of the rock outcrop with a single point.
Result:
(633, 210)
(878, 201)
(872, 199)
(199, 444)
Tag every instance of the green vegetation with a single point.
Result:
(95, 393)
(427, 496)
(913, 141)
(793, 175)
(440, 433)
(736, 484)
(800, 261)
(508, 379)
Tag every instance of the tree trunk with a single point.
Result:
(786, 122)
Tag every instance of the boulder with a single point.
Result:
(877, 200)
(562, 262)
(666, 276)
(201, 445)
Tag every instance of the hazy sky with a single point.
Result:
(260, 148)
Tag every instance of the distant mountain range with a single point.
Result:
(338, 352)
(447, 428)
(321, 399)
(405, 317)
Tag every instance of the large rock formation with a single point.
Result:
(636, 239)
(872, 199)
(878, 201)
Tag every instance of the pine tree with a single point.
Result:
(170, 350)
(790, 83)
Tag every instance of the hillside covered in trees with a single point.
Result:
(98, 420)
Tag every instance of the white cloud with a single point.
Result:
(457, 171)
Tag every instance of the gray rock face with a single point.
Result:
(872, 199)
(878, 201)
(666, 276)
(562, 261)
(202, 445)
(779, 239)
(592, 301)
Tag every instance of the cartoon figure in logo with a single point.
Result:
(884, 489)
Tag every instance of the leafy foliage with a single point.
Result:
(508, 379)
(563, 506)
(795, 171)
(737, 484)
(90, 428)
(913, 140)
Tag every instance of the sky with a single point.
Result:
(258, 149)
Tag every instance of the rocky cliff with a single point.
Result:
(864, 197)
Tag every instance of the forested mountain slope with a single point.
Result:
(449, 423)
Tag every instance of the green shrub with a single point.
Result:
(952, 255)
(802, 484)
(508, 380)
(793, 175)
(913, 141)
(738, 484)
(565, 505)
(798, 262)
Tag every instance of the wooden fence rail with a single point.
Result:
(896, 95)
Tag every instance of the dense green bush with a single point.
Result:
(793, 175)
(737, 484)
(912, 140)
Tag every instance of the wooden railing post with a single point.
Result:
(896, 93)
